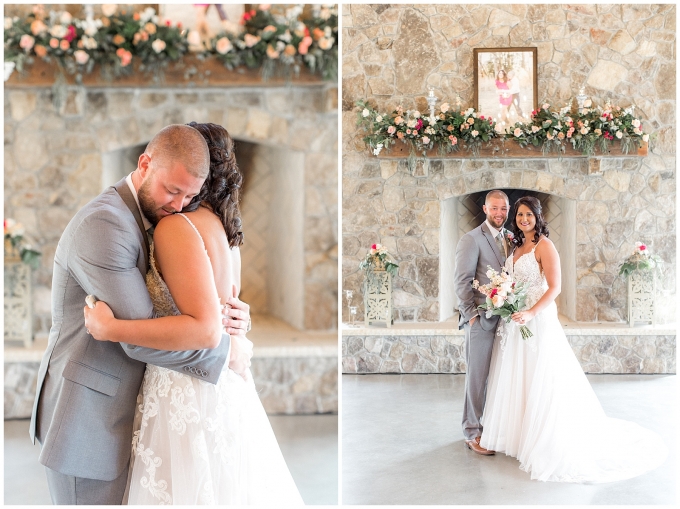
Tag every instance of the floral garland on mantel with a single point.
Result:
(268, 41)
(586, 130)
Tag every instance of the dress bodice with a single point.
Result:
(162, 300)
(526, 270)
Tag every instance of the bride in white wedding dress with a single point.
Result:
(196, 443)
(540, 407)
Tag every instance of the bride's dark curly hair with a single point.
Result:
(222, 188)
(541, 226)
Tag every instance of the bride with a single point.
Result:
(196, 443)
(540, 407)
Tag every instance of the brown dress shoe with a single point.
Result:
(474, 446)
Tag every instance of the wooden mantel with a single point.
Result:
(497, 149)
(191, 71)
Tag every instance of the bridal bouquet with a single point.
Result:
(503, 297)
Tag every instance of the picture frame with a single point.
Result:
(511, 69)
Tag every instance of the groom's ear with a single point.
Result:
(143, 164)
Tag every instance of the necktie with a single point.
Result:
(499, 243)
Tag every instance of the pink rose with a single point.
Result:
(26, 42)
(223, 46)
(54, 43)
(426, 140)
(251, 40)
(64, 45)
(304, 45)
(125, 56)
(81, 57)
(391, 129)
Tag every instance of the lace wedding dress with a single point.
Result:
(541, 409)
(196, 443)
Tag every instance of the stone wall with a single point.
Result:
(53, 161)
(612, 352)
(621, 53)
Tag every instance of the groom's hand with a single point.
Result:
(236, 319)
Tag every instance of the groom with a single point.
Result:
(87, 389)
(486, 245)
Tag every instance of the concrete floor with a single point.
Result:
(309, 444)
(402, 443)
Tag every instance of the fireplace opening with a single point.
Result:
(462, 214)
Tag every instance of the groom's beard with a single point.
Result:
(149, 208)
(493, 223)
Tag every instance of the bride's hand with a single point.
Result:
(96, 320)
(523, 317)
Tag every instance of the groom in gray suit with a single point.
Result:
(486, 245)
(87, 389)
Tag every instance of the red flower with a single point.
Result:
(71, 33)
(481, 117)
(419, 124)
(643, 247)
(374, 246)
(167, 23)
(179, 25)
(493, 293)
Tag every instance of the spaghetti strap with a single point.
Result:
(537, 243)
(193, 226)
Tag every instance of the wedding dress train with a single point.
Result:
(196, 443)
(541, 409)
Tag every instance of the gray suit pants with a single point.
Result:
(69, 490)
(478, 348)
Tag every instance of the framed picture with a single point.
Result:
(506, 84)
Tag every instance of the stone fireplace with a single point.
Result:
(56, 160)
(597, 207)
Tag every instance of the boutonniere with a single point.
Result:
(509, 236)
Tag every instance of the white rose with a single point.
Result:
(518, 132)
(469, 112)
(89, 42)
(534, 128)
(378, 118)
(158, 45)
(489, 273)
(498, 300)
(445, 107)
(635, 122)
(475, 133)
(645, 137)
(416, 114)
(619, 134)
(58, 31)
(365, 113)
(637, 131)
(584, 130)
(8, 23)
(545, 106)
(66, 18)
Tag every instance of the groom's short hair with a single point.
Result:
(178, 142)
(496, 193)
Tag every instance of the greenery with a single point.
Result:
(586, 130)
(14, 234)
(378, 259)
(115, 40)
(641, 260)
(282, 43)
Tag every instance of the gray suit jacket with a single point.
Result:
(476, 250)
(87, 389)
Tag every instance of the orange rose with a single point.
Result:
(290, 50)
(54, 43)
(136, 16)
(106, 21)
(64, 45)
(317, 33)
(40, 50)
(118, 39)
(125, 56)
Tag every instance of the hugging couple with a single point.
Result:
(146, 397)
